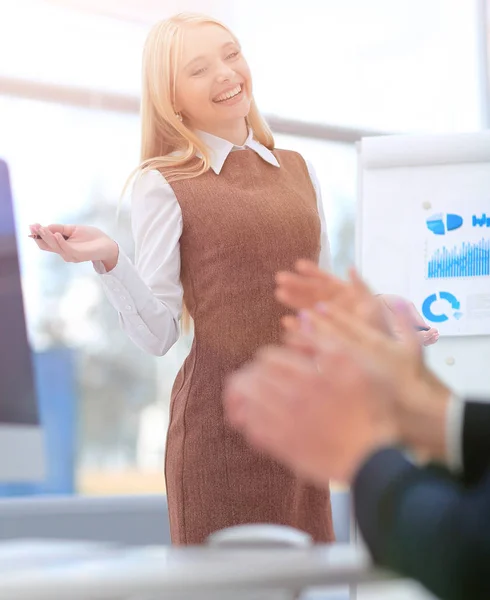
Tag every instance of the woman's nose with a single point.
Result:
(225, 74)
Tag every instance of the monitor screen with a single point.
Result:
(21, 442)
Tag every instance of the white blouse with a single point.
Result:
(148, 295)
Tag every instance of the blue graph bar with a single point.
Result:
(470, 260)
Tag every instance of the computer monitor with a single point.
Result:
(21, 440)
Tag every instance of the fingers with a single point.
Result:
(52, 239)
(304, 343)
(290, 323)
(35, 235)
(66, 250)
(310, 285)
(404, 329)
(415, 316)
(334, 347)
(257, 407)
(307, 286)
(269, 381)
(308, 268)
(348, 293)
(367, 305)
(428, 338)
(335, 320)
(359, 284)
(45, 239)
(306, 323)
(396, 303)
(327, 351)
(335, 323)
(281, 363)
(234, 396)
(295, 291)
(64, 230)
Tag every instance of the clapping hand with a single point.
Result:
(308, 285)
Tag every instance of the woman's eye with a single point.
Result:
(233, 55)
(198, 72)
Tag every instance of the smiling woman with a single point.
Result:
(216, 212)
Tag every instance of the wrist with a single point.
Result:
(383, 435)
(423, 419)
(112, 255)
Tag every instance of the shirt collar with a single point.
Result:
(220, 149)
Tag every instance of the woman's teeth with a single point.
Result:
(228, 95)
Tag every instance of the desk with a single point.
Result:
(60, 571)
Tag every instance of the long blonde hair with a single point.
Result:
(166, 142)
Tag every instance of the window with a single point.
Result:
(409, 65)
(69, 165)
(69, 47)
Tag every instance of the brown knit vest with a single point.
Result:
(239, 228)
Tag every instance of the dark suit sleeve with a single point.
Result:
(476, 441)
(425, 525)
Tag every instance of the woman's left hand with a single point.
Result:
(427, 335)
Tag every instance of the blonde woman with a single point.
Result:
(216, 212)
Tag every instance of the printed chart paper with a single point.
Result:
(450, 266)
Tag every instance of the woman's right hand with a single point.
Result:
(84, 243)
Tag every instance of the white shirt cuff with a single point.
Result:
(123, 286)
(454, 433)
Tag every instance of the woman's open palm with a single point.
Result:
(75, 243)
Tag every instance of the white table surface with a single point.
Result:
(72, 571)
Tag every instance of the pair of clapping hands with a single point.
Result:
(348, 380)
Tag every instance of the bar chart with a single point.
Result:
(467, 260)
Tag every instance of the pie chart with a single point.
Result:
(441, 223)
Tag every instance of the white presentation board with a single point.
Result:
(423, 232)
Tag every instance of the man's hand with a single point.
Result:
(419, 399)
(321, 415)
(309, 285)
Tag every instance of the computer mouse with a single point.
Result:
(260, 535)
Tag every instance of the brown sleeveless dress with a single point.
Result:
(239, 228)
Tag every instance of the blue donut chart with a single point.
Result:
(452, 301)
